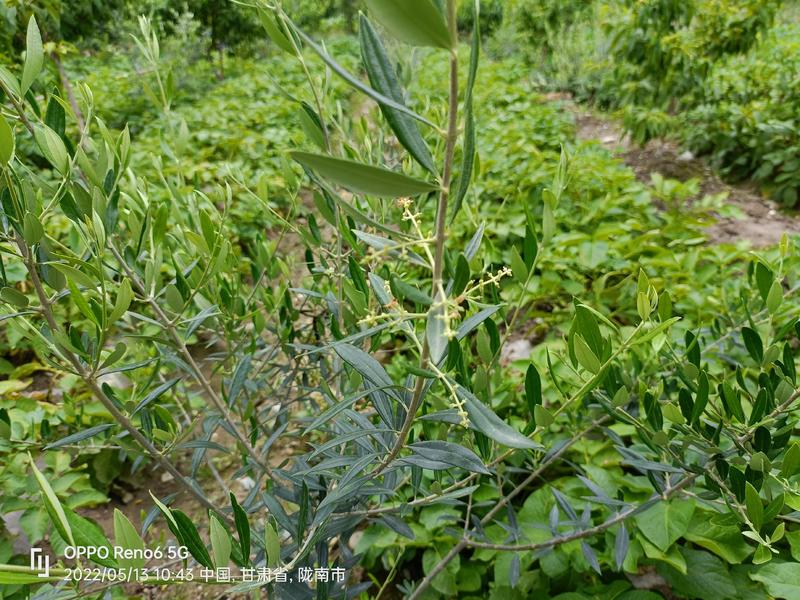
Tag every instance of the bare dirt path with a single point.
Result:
(762, 223)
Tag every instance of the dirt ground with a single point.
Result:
(763, 223)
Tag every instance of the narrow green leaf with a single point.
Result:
(14, 296)
(755, 509)
(753, 343)
(53, 505)
(533, 388)
(701, 398)
(80, 436)
(273, 545)
(34, 56)
(774, 297)
(415, 22)
(156, 393)
(461, 277)
(791, 461)
(542, 416)
(89, 534)
(275, 32)
(361, 178)
(75, 275)
(382, 77)
(406, 291)
(123, 301)
(518, 269)
(585, 356)
(312, 125)
(189, 537)
(52, 147)
(32, 229)
(6, 142)
(242, 528)
(127, 538)
(354, 81)
(220, 543)
(436, 328)
(468, 150)
(365, 364)
(443, 455)
(165, 510)
(483, 419)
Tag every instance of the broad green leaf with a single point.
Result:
(483, 419)
(127, 538)
(53, 506)
(672, 557)
(725, 541)
(220, 543)
(707, 577)
(382, 77)
(34, 56)
(415, 22)
(6, 142)
(782, 579)
(361, 178)
(665, 522)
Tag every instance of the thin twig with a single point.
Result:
(440, 237)
(464, 542)
(98, 392)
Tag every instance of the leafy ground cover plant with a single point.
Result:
(716, 75)
(650, 428)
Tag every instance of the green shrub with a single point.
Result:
(747, 121)
(350, 358)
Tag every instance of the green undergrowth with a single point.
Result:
(611, 236)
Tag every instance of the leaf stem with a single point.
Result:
(440, 237)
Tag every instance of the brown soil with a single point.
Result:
(762, 223)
